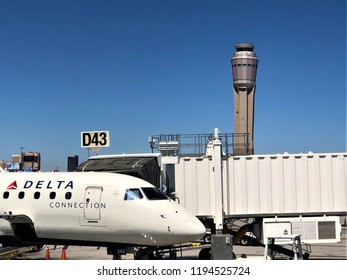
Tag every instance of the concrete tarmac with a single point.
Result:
(331, 251)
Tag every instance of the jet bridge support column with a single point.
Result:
(218, 181)
(221, 244)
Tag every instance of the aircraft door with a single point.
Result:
(92, 202)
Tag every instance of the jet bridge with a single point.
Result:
(144, 166)
(308, 190)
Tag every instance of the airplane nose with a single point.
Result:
(195, 228)
(185, 226)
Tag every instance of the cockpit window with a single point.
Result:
(132, 194)
(154, 194)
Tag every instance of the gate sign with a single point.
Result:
(95, 139)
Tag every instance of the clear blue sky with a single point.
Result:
(138, 68)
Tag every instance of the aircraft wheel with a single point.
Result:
(144, 254)
(244, 241)
(205, 254)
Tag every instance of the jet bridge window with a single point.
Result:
(154, 194)
(132, 194)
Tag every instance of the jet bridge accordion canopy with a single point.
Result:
(146, 168)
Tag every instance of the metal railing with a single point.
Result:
(197, 144)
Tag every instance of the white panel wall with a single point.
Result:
(194, 185)
(266, 185)
(285, 184)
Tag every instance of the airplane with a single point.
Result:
(91, 209)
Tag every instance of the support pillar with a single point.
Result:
(218, 181)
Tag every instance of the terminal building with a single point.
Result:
(30, 161)
(26, 161)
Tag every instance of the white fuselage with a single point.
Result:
(94, 207)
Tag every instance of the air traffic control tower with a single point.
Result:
(244, 69)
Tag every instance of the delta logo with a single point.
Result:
(12, 186)
(41, 184)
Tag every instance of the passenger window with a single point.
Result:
(6, 195)
(132, 194)
(68, 195)
(37, 195)
(52, 195)
(21, 195)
